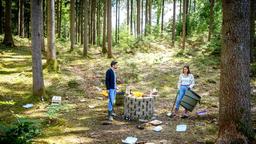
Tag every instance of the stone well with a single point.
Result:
(139, 107)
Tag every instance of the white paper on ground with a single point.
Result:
(157, 128)
(130, 140)
(27, 105)
(181, 128)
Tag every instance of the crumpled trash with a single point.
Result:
(157, 128)
(202, 112)
(181, 128)
(28, 106)
(130, 140)
(156, 122)
(91, 106)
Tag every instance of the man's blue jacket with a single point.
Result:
(110, 79)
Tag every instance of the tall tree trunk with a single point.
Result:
(138, 18)
(116, 31)
(252, 29)
(38, 82)
(184, 24)
(162, 23)
(146, 18)
(59, 20)
(21, 32)
(1, 17)
(180, 10)
(8, 41)
(234, 112)
(118, 22)
(85, 51)
(104, 47)
(42, 30)
(142, 17)
(149, 15)
(211, 22)
(109, 11)
(131, 23)
(78, 21)
(82, 21)
(72, 24)
(128, 13)
(57, 16)
(174, 23)
(93, 22)
(51, 51)
(98, 22)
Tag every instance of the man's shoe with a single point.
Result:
(113, 114)
(110, 118)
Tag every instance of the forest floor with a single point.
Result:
(83, 112)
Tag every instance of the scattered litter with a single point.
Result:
(181, 128)
(200, 124)
(169, 114)
(163, 142)
(130, 140)
(28, 106)
(143, 120)
(91, 106)
(56, 100)
(98, 89)
(157, 128)
(156, 122)
(99, 98)
(202, 112)
(82, 100)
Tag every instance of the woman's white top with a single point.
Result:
(187, 80)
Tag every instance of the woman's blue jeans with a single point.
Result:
(182, 92)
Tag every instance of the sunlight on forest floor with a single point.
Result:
(78, 82)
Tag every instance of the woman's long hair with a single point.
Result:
(186, 66)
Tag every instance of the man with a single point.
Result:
(111, 87)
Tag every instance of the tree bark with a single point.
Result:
(104, 47)
(146, 18)
(8, 40)
(72, 24)
(1, 17)
(174, 23)
(51, 51)
(234, 112)
(21, 32)
(138, 18)
(85, 51)
(184, 24)
(93, 22)
(180, 10)
(82, 21)
(131, 21)
(252, 29)
(98, 22)
(211, 21)
(149, 15)
(128, 14)
(116, 31)
(142, 17)
(162, 23)
(38, 82)
(109, 26)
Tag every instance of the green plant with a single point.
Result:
(20, 132)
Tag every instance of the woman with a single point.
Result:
(186, 81)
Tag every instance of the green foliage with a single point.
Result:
(20, 132)
(73, 84)
(53, 110)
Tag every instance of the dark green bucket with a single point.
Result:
(190, 100)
